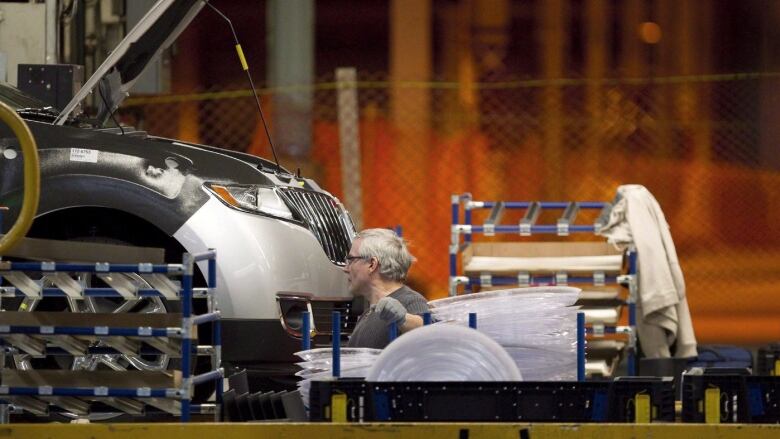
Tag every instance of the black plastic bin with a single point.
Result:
(570, 401)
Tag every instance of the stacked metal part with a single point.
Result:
(537, 326)
(317, 364)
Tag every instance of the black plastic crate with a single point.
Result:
(765, 361)
(623, 393)
(593, 401)
(742, 398)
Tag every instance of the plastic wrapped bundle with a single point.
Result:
(318, 365)
(537, 326)
(444, 353)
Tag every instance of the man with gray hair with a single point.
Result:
(376, 268)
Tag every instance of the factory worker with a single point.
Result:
(376, 268)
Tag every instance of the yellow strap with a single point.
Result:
(244, 65)
(777, 368)
(32, 178)
(642, 409)
(338, 404)
(712, 406)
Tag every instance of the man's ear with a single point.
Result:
(373, 264)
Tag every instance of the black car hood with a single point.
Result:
(155, 32)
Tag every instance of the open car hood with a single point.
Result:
(153, 34)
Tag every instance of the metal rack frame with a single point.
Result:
(527, 226)
(186, 269)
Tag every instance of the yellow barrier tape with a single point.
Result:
(712, 406)
(338, 404)
(642, 409)
(442, 85)
(244, 65)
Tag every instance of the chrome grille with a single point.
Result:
(325, 219)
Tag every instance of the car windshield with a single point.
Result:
(17, 100)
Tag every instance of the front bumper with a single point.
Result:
(257, 257)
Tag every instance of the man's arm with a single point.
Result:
(391, 310)
(412, 321)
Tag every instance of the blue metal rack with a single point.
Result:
(183, 392)
(527, 226)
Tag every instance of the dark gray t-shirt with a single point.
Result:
(373, 332)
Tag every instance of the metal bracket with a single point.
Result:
(70, 344)
(598, 330)
(460, 280)
(561, 278)
(32, 405)
(493, 219)
(45, 390)
(461, 228)
(123, 344)
(27, 344)
(163, 284)
(629, 280)
(122, 283)
(486, 279)
(454, 241)
(70, 404)
(67, 284)
(599, 279)
(100, 391)
(102, 267)
(125, 405)
(165, 345)
(632, 338)
(145, 267)
(24, 283)
(603, 217)
(524, 279)
(567, 219)
(530, 218)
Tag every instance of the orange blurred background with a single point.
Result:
(531, 100)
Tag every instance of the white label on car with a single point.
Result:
(83, 155)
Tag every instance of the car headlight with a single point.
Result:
(256, 199)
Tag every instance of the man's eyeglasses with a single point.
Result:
(349, 259)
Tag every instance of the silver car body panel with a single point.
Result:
(254, 260)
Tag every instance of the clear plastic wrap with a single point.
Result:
(318, 365)
(444, 353)
(537, 326)
(327, 353)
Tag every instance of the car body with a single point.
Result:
(273, 231)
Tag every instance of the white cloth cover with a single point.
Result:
(662, 309)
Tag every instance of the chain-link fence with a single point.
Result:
(704, 146)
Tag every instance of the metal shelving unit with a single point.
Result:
(566, 225)
(57, 333)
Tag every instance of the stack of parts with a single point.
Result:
(317, 364)
(444, 353)
(537, 326)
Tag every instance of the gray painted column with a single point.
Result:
(290, 44)
(349, 141)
